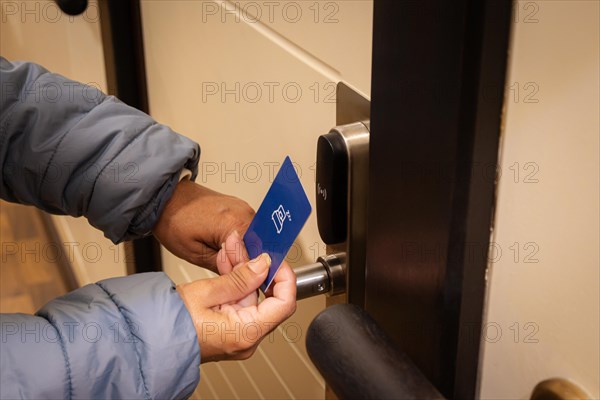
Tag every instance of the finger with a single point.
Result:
(236, 249)
(249, 301)
(284, 269)
(231, 254)
(224, 264)
(284, 283)
(282, 304)
(239, 283)
(235, 252)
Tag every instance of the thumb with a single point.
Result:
(240, 282)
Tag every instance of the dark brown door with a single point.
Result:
(437, 90)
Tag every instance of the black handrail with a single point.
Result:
(358, 360)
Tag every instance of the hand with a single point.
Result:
(197, 220)
(232, 256)
(229, 321)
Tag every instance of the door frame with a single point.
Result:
(438, 79)
(123, 47)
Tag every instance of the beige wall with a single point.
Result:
(543, 311)
(197, 48)
(37, 31)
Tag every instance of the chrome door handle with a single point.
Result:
(326, 276)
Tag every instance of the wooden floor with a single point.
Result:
(28, 276)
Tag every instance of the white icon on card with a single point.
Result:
(279, 216)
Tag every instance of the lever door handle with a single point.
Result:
(326, 276)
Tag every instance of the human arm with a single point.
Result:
(129, 337)
(67, 148)
(140, 336)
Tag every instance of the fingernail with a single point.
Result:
(223, 245)
(236, 234)
(260, 263)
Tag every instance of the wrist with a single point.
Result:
(184, 290)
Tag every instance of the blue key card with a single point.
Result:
(278, 220)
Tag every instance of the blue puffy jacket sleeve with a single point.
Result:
(67, 148)
(122, 338)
